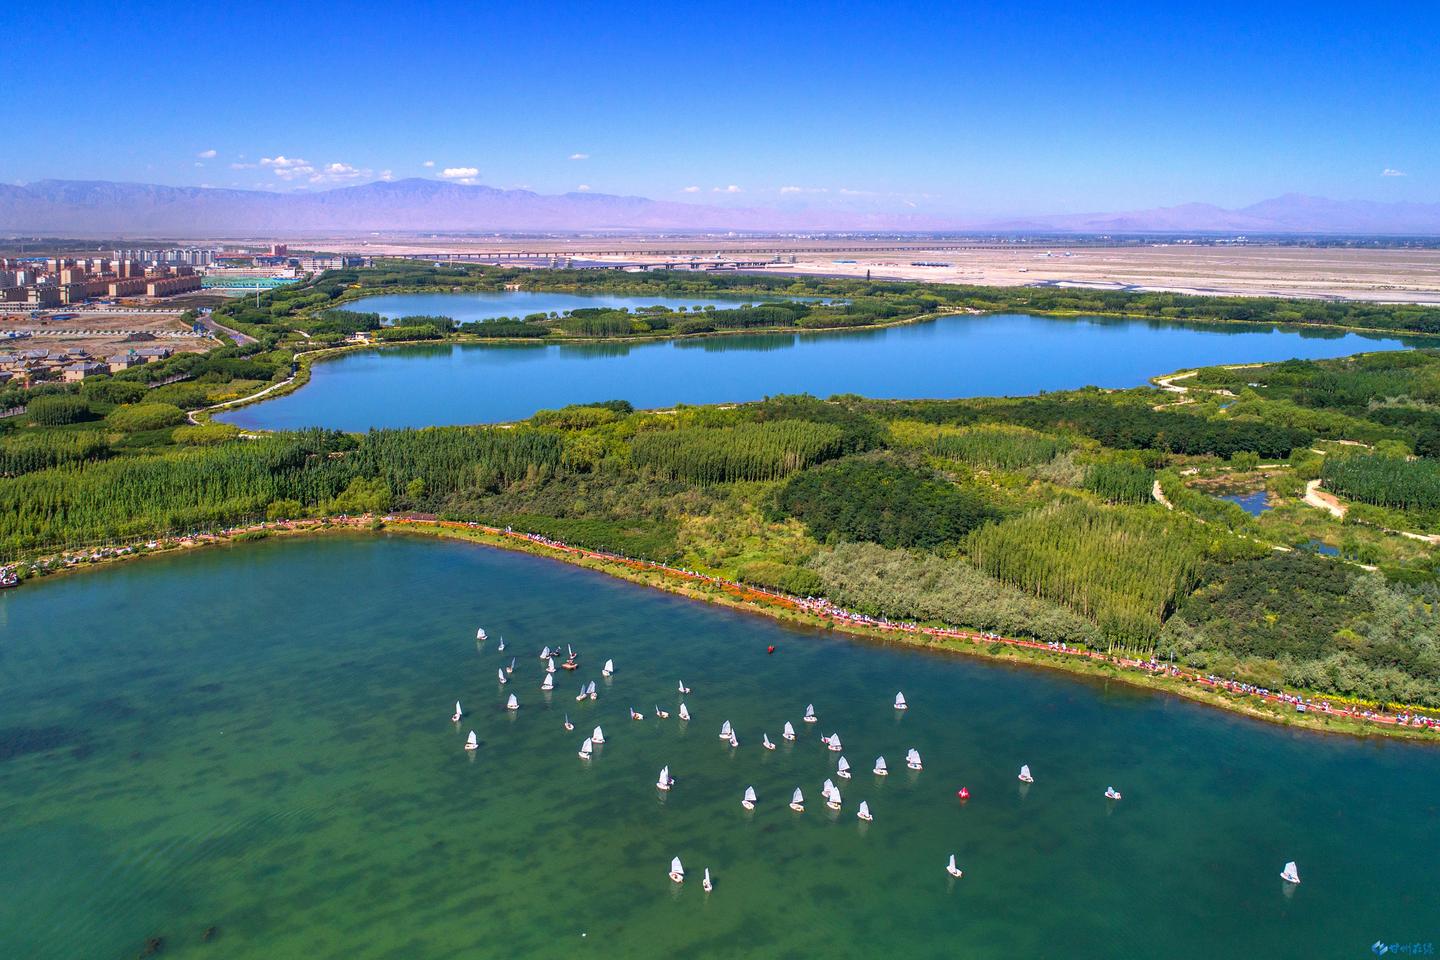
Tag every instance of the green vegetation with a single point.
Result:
(751, 451)
(1386, 481)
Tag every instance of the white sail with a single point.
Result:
(548, 683)
(501, 647)
(511, 668)
(707, 883)
(797, 796)
(734, 741)
(1025, 772)
(681, 687)
(480, 634)
(569, 651)
(1290, 872)
(843, 767)
(550, 665)
(472, 741)
(765, 741)
(684, 712)
(880, 766)
(585, 748)
(912, 759)
(835, 742)
(501, 674)
(835, 797)
(545, 654)
(598, 736)
(609, 668)
(458, 712)
(663, 781)
(789, 731)
(810, 713)
(677, 868)
(725, 731)
(900, 703)
(512, 703)
(951, 868)
(827, 789)
(864, 813)
(750, 794)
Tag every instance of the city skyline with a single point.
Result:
(934, 111)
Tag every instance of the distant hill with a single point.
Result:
(104, 208)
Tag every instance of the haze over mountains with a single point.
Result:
(105, 208)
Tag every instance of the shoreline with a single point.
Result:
(1352, 718)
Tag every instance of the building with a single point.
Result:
(46, 296)
(131, 287)
(124, 361)
(279, 250)
(169, 286)
(80, 371)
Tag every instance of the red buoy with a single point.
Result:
(770, 649)
(963, 793)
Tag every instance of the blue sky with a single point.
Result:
(937, 108)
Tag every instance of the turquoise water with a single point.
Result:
(1009, 354)
(471, 307)
(1254, 503)
(256, 738)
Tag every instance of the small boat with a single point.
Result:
(677, 872)
(568, 724)
(1112, 794)
(458, 713)
(797, 801)
(827, 788)
(682, 688)
(636, 715)
(734, 741)
(834, 742)
(585, 748)
(664, 781)
(581, 695)
(472, 742)
(864, 813)
(725, 732)
(834, 802)
(963, 793)
(661, 714)
(684, 712)
(480, 634)
(880, 769)
(706, 884)
(501, 647)
(749, 800)
(609, 670)
(900, 703)
(951, 869)
(789, 732)
(842, 769)
(511, 668)
(765, 742)
(545, 654)
(1290, 874)
(512, 703)
(1025, 774)
(501, 674)
(598, 736)
(548, 683)
(590, 690)
(570, 664)
(912, 759)
(810, 714)
(550, 665)
(569, 652)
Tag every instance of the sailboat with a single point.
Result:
(569, 652)
(1112, 794)
(664, 780)
(548, 683)
(598, 736)
(677, 871)
(480, 634)
(827, 788)
(636, 715)
(682, 688)
(1025, 774)
(458, 713)
(501, 647)
(1290, 874)
(864, 813)
(585, 748)
(900, 703)
(511, 668)
(765, 742)
(834, 742)
(512, 703)
(472, 742)
(568, 724)
(951, 869)
(725, 732)
(609, 670)
(797, 801)
(749, 801)
(545, 654)
(912, 759)
(880, 768)
(842, 769)
(661, 714)
(810, 714)
(501, 674)
(706, 884)
(789, 732)
(590, 690)
(834, 802)
(581, 695)
(684, 712)
(550, 665)
(734, 740)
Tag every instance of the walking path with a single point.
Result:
(1325, 501)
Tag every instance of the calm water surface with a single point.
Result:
(471, 307)
(1254, 503)
(257, 739)
(1008, 354)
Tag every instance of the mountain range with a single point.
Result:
(95, 208)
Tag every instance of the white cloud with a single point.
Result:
(730, 189)
(804, 189)
(342, 171)
(691, 190)
(579, 156)
(297, 170)
(387, 175)
(846, 192)
(288, 168)
(583, 187)
(460, 173)
(199, 164)
(428, 163)
(242, 166)
(1391, 172)
(206, 154)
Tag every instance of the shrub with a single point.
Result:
(57, 410)
(135, 417)
(204, 434)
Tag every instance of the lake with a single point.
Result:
(473, 307)
(256, 739)
(958, 356)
